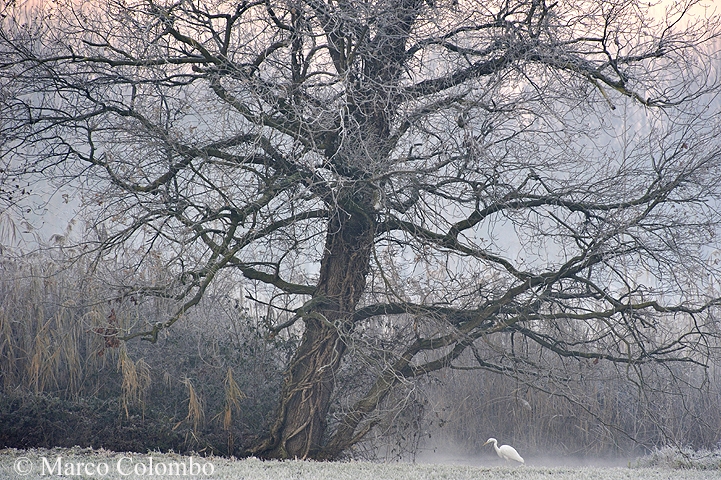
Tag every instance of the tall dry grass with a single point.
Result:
(45, 344)
(136, 380)
(196, 412)
(232, 400)
(59, 328)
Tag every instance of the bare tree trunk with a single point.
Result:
(300, 422)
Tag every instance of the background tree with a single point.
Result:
(400, 181)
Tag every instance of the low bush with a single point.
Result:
(681, 458)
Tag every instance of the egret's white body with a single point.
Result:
(506, 452)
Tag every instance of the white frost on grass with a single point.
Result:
(29, 464)
(677, 458)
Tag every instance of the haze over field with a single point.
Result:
(43, 464)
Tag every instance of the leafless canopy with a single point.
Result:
(437, 173)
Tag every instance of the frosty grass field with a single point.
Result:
(87, 463)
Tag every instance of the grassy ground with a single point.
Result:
(87, 463)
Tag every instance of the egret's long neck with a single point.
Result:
(495, 445)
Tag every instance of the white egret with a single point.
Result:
(506, 452)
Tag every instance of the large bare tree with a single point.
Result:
(401, 180)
